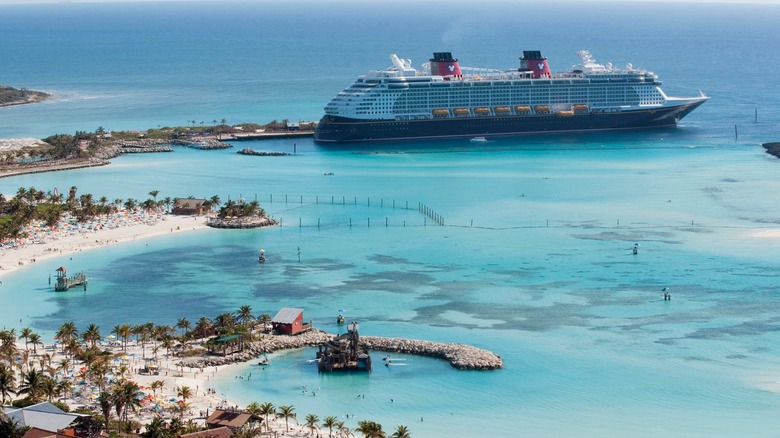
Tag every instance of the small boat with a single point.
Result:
(479, 140)
(264, 361)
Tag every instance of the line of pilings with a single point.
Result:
(335, 200)
(429, 212)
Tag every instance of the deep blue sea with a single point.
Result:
(534, 258)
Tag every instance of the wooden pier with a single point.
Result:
(64, 282)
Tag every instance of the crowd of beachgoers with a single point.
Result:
(39, 241)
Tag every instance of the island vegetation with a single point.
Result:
(48, 209)
(20, 96)
(85, 149)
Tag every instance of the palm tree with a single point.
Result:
(215, 201)
(125, 331)
(35, 339)
(203, 327)
(155, 385)
(264, 319)
(10, 428)
(311, 422)
(253, 409)
(184, 325)
(184, 392)
(156, 429)
(73, 347)
(370, 429)
(330, 422)
(286, 412)
(267, 409)
(106, 401)
(7, 383)
(91, 334)
(126, 395)
(66, 332)
(244, 314)
(32, 384)
(154, 194)
(64, 365)
(131, 204)
(25, 333)
(49, 388)
(343, 430)
(64, 387)
(224, 323)
(401, 431)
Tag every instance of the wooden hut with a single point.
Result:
(231, 418)
(190, 206)
(288, 321)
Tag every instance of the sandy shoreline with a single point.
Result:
(160, 402)
(124, 228)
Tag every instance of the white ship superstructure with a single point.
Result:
(526, 100)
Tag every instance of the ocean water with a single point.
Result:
(534, 258)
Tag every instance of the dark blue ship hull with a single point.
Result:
(333, 129)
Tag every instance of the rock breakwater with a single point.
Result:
(250, 151)
(241, 222)
(460, 356)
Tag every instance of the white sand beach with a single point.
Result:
(68, 236)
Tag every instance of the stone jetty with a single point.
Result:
(250, 151)
(460, 356)
(143, 146)
(240, 222)
(203, 144)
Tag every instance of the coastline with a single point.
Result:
(64, 242)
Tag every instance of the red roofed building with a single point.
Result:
(288, 321)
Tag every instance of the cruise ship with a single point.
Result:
(444, 100)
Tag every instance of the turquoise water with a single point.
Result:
(534, 258)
